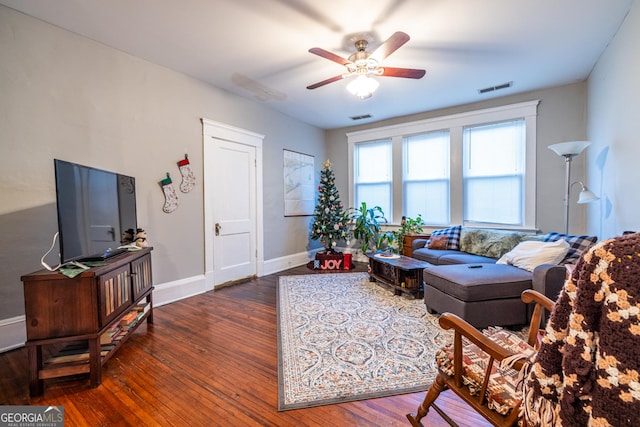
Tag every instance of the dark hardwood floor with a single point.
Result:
(209, 360)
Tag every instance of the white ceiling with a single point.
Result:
(258, 49)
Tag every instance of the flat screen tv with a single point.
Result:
(95, 207)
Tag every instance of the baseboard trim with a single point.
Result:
(169, 292)
(277, 265)
(13, 333)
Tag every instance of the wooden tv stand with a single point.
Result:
(80, 317)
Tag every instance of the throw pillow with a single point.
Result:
(578, 245)
(452, 233)
(438, 242)
(490, 243)
(530, 254)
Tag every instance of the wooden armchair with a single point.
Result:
(471, 366)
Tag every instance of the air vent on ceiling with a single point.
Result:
(494, 88)
(364, 116)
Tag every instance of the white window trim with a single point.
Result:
(454, 123)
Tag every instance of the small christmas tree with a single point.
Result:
(330, 222)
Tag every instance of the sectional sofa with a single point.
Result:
(479, 274)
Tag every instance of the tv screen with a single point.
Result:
(95, 207)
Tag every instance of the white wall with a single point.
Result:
(614, 130)
(65, 96)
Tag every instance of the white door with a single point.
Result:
(232, 203)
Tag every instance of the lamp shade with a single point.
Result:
(570, 148)
(586, 196)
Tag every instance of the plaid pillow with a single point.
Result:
(577, 245)
(453, 233)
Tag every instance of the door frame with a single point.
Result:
(212, 130)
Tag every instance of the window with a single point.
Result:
(493, 173)
(473, 168)
(426, 177)
(373, 172)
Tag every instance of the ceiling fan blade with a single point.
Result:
(392, 44)
(328, 55)
(325, 82)
(408, 73)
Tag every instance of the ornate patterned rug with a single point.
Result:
(342, 338)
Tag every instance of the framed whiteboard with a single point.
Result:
(299, 184)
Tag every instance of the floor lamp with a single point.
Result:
(569, 150)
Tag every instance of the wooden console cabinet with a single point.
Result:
(85, 319)
(407, 250)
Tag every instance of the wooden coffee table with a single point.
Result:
(401, 273)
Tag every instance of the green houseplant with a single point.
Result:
(408, 227)
(366, 228)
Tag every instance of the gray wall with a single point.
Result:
(614, 129)
(561, 117)
(65, 96)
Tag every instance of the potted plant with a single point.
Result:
(366, 228)
(408, 227)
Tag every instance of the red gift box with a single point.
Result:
(347, 264)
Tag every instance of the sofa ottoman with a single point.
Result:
(482, 294)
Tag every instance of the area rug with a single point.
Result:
(343, 338)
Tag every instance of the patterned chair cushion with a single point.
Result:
(501, 391)
(453, 235)
(577, 245)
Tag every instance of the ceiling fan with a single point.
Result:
(363, 63)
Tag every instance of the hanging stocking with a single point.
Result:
(188, 178)
(170, 195)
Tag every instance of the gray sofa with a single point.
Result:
(474, 287)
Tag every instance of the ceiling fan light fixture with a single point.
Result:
(363, 86)
(362, 66)
(362, 63)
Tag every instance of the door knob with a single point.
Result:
(218, 227)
